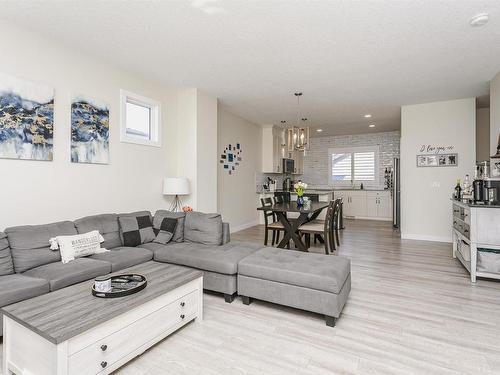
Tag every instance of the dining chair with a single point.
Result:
(278, 199)
(327, 229)
(270, 222)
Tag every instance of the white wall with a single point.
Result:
(197, 147)
(36, 192)
(206, 152)
(482, 134)
(494, 113)
(426, 192)
(237, 192)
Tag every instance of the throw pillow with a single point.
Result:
(136, 230)
(179, 230)
(203, 228)
(77, 246)
(167, 230)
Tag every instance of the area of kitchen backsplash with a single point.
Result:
(261, 180)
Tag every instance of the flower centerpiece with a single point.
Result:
(300, 188)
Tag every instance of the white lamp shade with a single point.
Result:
(175, 186)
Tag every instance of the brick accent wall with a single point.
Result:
(316, 160)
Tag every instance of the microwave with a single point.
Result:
(288, 165)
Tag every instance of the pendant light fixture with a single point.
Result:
(298, 135)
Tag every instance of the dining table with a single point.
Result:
(307, 212)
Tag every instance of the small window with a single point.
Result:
(140, 122)
(354, 165)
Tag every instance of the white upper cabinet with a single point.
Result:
(273, 140)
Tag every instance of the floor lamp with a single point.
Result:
(175, 186)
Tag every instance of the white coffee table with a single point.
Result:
(69, 331)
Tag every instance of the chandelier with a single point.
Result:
(298, 135)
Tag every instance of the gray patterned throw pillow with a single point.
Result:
(136, 230)
(166, 231)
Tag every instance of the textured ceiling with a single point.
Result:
(347, 57)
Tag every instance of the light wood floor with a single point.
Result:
(412, 310)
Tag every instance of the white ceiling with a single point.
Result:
(348, 58)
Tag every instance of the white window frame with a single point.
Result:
(352, 151)
(155, 111)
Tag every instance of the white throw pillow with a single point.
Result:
(77, 246)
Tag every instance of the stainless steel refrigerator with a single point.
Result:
(396, 193)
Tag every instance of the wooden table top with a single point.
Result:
(68, 312)
(292, 207)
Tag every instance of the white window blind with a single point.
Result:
(341, 167)
(364, 166)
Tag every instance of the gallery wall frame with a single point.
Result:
(437, 160)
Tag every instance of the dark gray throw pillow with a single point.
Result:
(179, 230)
(167, 230)
(136, 230)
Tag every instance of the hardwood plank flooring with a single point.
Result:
(412, 310)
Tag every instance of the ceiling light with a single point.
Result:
(371, 125)
(319, 130)
(479, 20)
(368, 116)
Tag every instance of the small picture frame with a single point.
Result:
(437, 160)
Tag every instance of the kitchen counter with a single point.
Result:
(474, 205)
(308, 191)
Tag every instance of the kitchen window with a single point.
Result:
(140, 120)
(355, 165)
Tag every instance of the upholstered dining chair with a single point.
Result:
(270, 223)
(327, 229)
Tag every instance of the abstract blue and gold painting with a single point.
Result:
(26, 119)
(89, 131)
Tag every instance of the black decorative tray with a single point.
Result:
(123, 285)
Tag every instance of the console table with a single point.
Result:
(69, 331)
(475, 226)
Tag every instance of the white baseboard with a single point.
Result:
(244, 226)
(423, 237)
(369, 218)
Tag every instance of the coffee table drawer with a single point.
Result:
(99, 356)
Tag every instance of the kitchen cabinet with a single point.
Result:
(354, 202)
(363, 204)
(273, 149)
(298, 158)
(378, 204)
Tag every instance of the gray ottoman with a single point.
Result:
(313, 282)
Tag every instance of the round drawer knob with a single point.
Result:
(104, 348)
(183, 316)
(104, 364)
(183, 304)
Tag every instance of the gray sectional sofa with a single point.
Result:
(28, 268)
